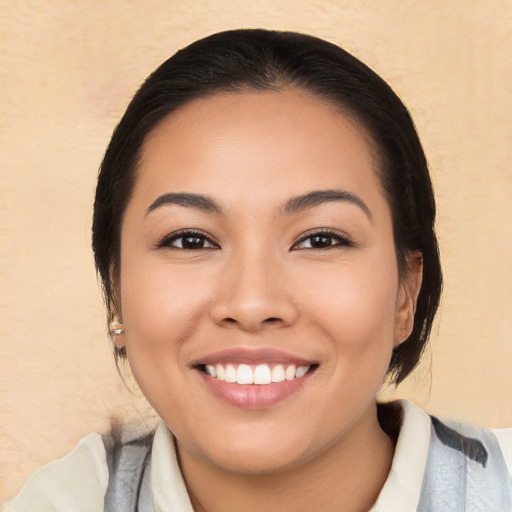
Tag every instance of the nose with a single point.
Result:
(253, 294)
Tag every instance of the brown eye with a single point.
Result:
(322, 240)
(319, 241)
(188, 240)
(192, 242)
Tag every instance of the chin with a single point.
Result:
(253, 451)
(258, 461)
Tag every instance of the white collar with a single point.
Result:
(402, 489)
(169, 491)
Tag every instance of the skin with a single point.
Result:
(260, 284)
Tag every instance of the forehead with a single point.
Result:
(257, 145)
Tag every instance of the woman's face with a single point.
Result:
(258, 246)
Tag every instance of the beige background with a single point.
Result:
(68, 69)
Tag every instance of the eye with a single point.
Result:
(188, 240)
(323, 239)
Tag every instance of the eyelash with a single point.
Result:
(341, 240)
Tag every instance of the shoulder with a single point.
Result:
(475, 443)
(128, 452)
(466, 467)
(441, 463)
(76, 482)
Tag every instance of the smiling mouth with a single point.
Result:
(260, 374)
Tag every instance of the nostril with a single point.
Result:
(268, 321)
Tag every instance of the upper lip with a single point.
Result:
(251, 356)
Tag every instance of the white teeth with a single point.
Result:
(219, 370)
(290, 372)
(301, 371)
(230, 375)
(244, 374)
(278, 373)
(261, 375)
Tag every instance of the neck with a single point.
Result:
(347, 476)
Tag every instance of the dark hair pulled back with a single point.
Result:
(241, 60)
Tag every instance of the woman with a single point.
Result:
(264, 231)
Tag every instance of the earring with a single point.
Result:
(116, 329)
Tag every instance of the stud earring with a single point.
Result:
(116, 328)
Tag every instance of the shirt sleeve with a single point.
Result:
(77, 482)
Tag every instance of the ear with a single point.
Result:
(115, 290)
(410, 284)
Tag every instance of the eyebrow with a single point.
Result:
(199, 201)
(318, 197)
(293, 205)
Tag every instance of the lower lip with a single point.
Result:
(253, 396)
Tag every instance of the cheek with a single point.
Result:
(157, 301)
(355, 305)
(161, 310)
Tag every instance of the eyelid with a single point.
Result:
(343, 238)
